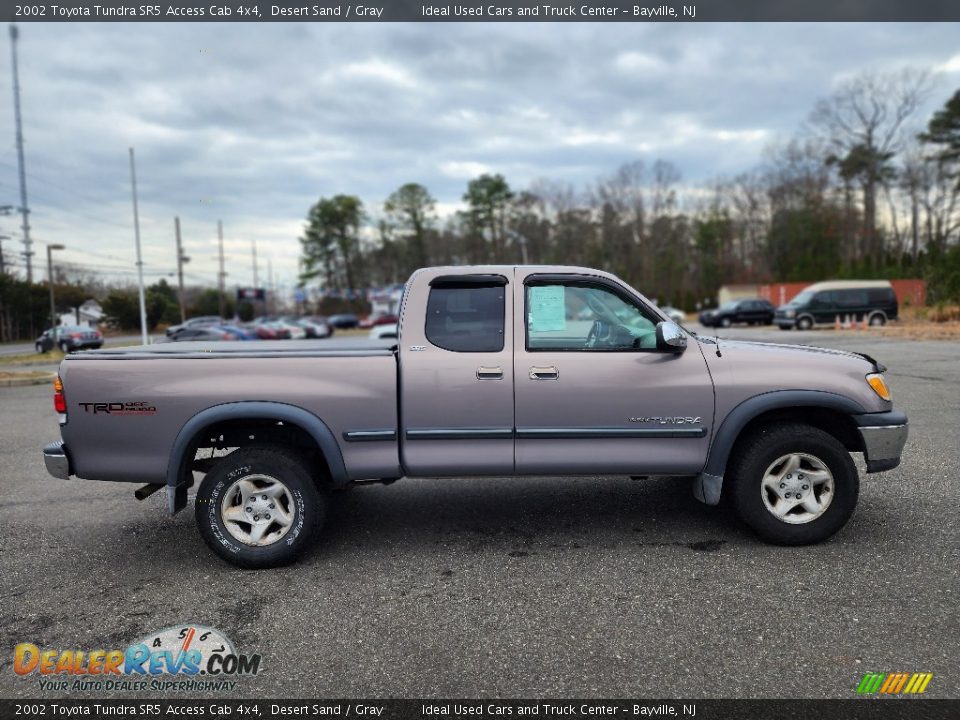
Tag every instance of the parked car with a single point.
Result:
(294, 329)
(272, 331)
(678, 316)
(871, 301)
(194, 322)
(69, 338)
(384, 332)
(239, 332)
(344, 321)
(770, 427)
(750, 311)
(204, 333)
(316, 326)
(380, 319)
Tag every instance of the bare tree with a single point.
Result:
(864, 122)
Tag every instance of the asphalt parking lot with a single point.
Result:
(549, 587)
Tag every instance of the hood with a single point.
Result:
(784, 348)
(746, 368)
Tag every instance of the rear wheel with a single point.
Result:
(793, 484)
(259, 507)
(878, 320)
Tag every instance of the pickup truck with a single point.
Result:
(497, 370)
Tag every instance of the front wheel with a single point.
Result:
(804, 323)
(39, 348)
(259, 507)
(793, 484)
(725, 322)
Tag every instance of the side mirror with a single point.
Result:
(670, 337)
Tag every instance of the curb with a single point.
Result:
(29, 380)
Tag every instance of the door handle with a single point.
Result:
(489, 373)
(544, 373)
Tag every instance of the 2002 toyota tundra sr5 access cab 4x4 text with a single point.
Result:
(497, 371)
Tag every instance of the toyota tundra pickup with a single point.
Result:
(497, 370)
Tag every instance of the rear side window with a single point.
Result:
(851, 298)
(880, 296)
(466, 318)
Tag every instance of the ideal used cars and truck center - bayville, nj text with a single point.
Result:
(498, 370)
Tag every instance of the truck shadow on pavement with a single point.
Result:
(518, 512)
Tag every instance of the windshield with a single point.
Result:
(732, 305)
(802, 299)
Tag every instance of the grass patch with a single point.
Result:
(34, 358)
(7, 375)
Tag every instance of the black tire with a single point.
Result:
(804, 323)
(878, 320)
(755, 454)
(785, 327)
(39, 348)
(64, 348)
(307, 509)
(725, 322)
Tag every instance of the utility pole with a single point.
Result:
(221, 275)
(256, 281)
(181, 259)
(136, 231)
(271, 305)
(24, 207)
(53, 306)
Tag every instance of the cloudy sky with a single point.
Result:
(252, 123)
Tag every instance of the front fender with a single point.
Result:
(709, 483)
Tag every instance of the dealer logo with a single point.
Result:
(181, 651)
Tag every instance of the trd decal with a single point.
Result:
(118, 408)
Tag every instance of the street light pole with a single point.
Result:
(53, 307)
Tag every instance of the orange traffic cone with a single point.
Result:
(854, 325)
(836, 322)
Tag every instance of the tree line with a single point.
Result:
(864, 189)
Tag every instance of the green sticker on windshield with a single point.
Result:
(547, 310)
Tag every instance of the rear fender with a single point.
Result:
(178, 479)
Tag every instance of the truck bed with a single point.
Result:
(122, 424)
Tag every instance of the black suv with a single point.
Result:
(751, 312)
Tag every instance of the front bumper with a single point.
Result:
(884, 435)
(56, 459)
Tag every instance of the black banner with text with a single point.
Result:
(480, 11)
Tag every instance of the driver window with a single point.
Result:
(579, 317)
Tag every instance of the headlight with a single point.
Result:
(879, 385)
(790, 313)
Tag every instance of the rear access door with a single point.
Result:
(594, 395)
(456, 373)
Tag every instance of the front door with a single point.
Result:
(456, 379)
(593, 392)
